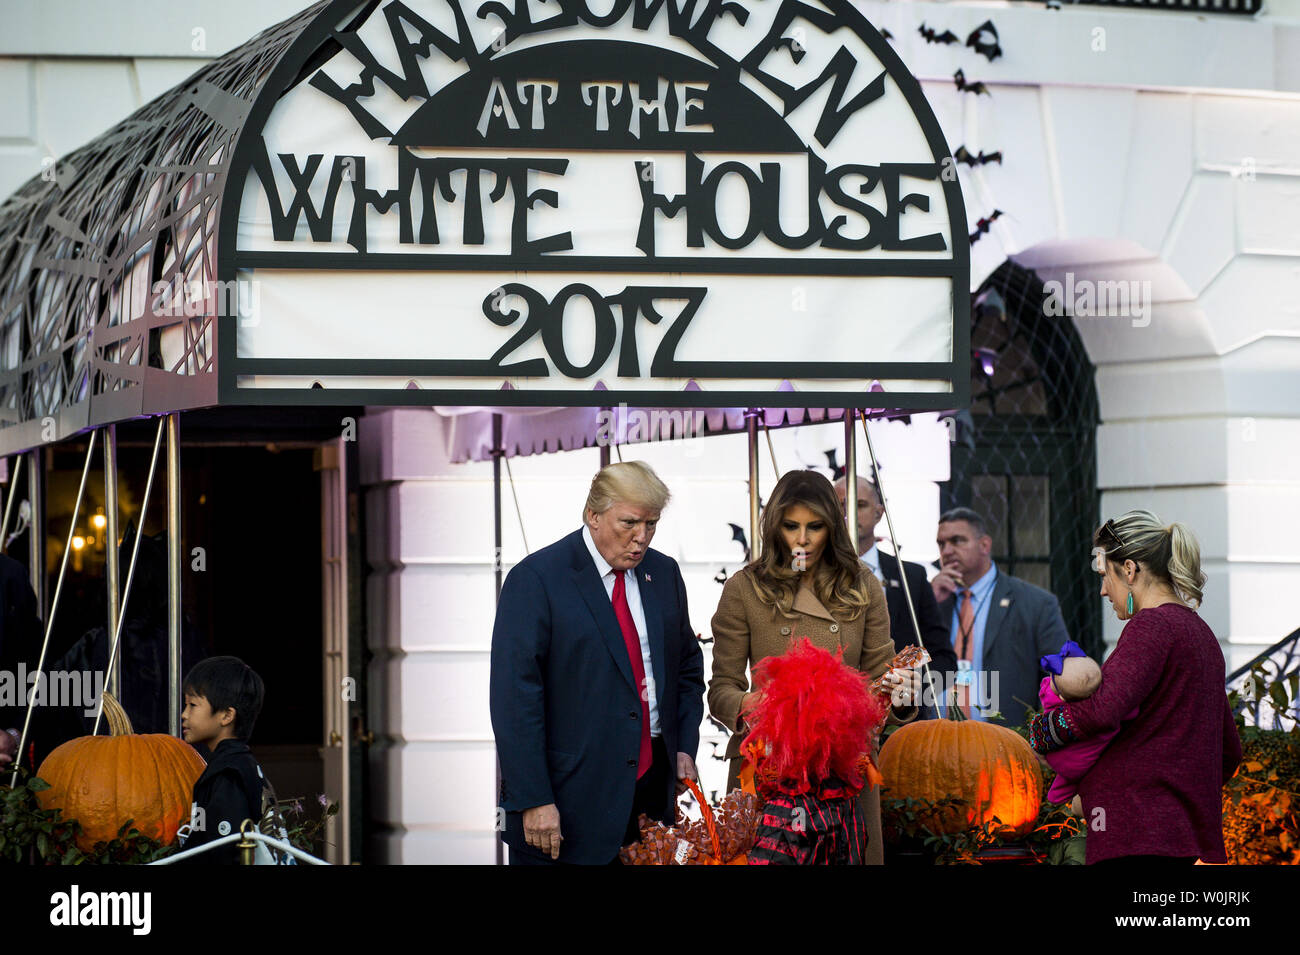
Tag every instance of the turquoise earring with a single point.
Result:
(1130, 603)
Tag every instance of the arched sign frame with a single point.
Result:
(303, 56)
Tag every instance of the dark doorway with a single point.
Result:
(1026, 457)
(251, 543)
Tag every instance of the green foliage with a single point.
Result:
(303, 831)
(1057, 837)
(1260, 821)
(30, 835)
(35, 836)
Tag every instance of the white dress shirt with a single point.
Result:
(633, 591)
(872, 559)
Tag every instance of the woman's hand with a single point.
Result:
(747, 702)
(905, 687)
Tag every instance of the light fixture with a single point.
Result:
(78, 542)
(99, 521)
(988, 360)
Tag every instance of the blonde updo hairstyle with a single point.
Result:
(1170, 553)
(626, 482)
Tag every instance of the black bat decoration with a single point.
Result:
(721, 576)
(886, 34)
(703, 640)
(738, 534)
(983, 226)
(837, 470)
(715, 745)
(984, 39)
(947, 37)
(963, 155)
(963, 87)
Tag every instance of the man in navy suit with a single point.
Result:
(1001, 626)
(597, 683)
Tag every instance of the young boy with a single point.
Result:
(223, 697)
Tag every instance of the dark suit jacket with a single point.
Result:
(936, 635)
(565, 710)
(1024, 623)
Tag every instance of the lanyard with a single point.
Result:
(964, 634)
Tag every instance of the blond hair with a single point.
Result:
(626, 482)
(1169, 552)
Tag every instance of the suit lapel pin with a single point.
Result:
(1005, 602)
(647, 578)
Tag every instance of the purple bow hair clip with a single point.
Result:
(1053, 662)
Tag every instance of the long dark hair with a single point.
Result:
(837, 578)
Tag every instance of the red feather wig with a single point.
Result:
(814, 719)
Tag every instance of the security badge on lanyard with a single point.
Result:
(965, 675)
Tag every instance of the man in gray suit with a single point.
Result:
(1000, 625)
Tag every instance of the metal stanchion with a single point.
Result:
(58, 590)
(173, 573)
(851, 477)
(9, 502)
(36, 529)
(751, 430)
(497, 453)
(112, 564)
(130, 568)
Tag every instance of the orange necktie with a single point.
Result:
(965, 645)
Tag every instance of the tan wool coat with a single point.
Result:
(746, 630)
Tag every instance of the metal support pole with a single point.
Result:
(898, 554)
(173, 573)
(36, 529)
(497, 453)
(751, 429)
(111, 561)
(14, 477)
(58, 590)
(851, 477)
(130, 567)
(767, 433)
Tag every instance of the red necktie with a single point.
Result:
(966, 624)
(625, 623)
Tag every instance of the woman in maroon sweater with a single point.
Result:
(1155, 793)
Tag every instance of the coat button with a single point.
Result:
(835, 628)
(632, 763)
(785, 631)
(634, 714)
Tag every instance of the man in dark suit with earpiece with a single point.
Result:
(1001, 626)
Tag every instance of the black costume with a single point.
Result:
(230, 790)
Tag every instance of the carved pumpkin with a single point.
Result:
(102, 781)
(991, 767)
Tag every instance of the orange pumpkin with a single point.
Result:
(989, 766)
(102, 781)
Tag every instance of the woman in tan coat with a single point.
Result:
(809, 583)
